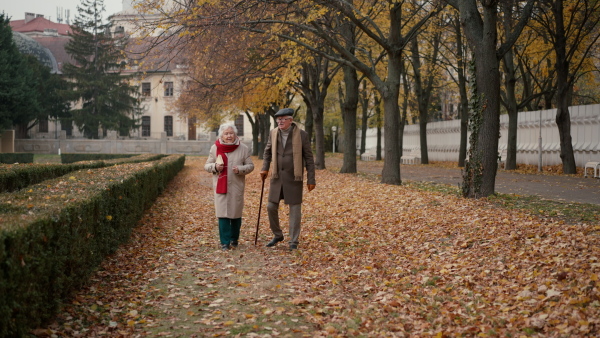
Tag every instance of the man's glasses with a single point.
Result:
(282, 119)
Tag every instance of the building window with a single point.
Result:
(169, 125)
(145, 126)
(239, 124)
(168, 88)
(145, 88)
(43, 126)
(67, 126)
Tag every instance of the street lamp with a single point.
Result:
(540, 144)
(334, 129)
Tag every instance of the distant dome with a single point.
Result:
(27, 45)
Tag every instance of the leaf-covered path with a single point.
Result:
(374, 260)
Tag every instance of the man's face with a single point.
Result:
(284, 122)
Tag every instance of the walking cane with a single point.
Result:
(262, 189)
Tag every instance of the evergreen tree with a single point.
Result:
(18, 95)
(50, 89)
(108, 101)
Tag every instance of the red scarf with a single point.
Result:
(221, 150)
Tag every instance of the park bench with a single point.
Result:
(414, 157)
(368, 155)
(595, 166)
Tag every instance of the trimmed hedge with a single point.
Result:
(74, 157)
(10, 158)
(18, 176)
(56, 233)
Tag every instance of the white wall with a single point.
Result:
(443, 138)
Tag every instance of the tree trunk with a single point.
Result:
(464, 130)
(379, 124)
(563, 117)
(390, 91)
(510, 81)
(255, 132)
(424, 88)
(404, 109)
(391, 113)
(365, 118)
(513, 113)
(488, 84)
(319, 137)
(350, 104)
(264, 120)
(463, 107)
(482, 35)
(309, 124)
(349, 115)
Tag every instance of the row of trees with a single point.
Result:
(496, 55)
(103, 99)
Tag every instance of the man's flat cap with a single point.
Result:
(285, 112)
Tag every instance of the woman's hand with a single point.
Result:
(235, 170)
(219, 166)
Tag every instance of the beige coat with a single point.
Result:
(231, 204)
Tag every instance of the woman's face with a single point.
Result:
(228, 136)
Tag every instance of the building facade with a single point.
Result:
(159, 85)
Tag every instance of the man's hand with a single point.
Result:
(263, 174)
(311, 186)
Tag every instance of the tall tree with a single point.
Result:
(480, 19)
(515, 77)
(453, 55)
(107, 100)
(19, 100)
(316, 75)
(573, 28)
(366, 99)
(350, 98)
(50, 89)
(424, 80)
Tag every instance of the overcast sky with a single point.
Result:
(15, 9)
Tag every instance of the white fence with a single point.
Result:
(113, 145)
(443, 138)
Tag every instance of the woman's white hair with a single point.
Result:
(226, 126)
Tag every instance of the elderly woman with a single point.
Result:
(229, 161)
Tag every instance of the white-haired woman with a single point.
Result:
(229, 161)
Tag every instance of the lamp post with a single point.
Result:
(334, 129)
(540, 144)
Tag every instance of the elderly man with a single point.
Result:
(289, 149)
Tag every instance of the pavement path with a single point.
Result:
(554, 187)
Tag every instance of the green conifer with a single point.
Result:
(106, 99)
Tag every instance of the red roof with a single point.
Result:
(39, 24)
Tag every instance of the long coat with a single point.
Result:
(231, 204)
(292, 190)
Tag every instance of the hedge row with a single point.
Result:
(53, 235)
(74, 157)
(16, 158)
(18, 176)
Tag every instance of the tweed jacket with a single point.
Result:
(292, 190)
